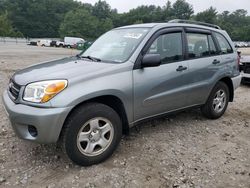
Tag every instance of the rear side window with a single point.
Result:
(224, 45)
(169, 46)
(200, 45)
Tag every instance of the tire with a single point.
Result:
(211, 109)
(90, 123)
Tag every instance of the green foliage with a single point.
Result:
(79, 23)
(102, 10)
(138, 22)
(167, 11)
(237, 23)
(6, 29)
(103, 26)
(144, 14)
(54, 18)
(39, 18)
(209, 16)
(182, 10)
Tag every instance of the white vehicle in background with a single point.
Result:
(60, 44)
(245, 68)
(44, 42)
(243, 44)
(70, 42)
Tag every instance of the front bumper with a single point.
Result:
(236, 81)
(48, 122)
(245, 77)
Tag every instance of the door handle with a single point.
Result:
(181, 68)
(216, 62)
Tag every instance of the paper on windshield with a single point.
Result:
(133, 35)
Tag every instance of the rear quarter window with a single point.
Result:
(225, 47)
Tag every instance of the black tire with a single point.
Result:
(208, 109)
(74, 124)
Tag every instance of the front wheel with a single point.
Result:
(92, 133)
(217, 102)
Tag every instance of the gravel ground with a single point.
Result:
(184, 150)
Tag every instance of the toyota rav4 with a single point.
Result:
(129, 74)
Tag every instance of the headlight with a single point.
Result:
(41, 92)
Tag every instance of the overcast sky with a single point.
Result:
(220, 5)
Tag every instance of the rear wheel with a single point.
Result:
(92, 134)
(217, 102)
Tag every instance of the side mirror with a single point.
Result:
(151, 60)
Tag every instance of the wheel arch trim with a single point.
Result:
(118, 106)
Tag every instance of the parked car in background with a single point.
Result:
(245, 69)
(32, 43)
(53, 43)
(128, 75)
(83, 46)
(241, 44)
(57, 43)
(44, 42)
(236, 44)
(60, 43)
(71, 42)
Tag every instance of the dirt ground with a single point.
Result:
(184, 150)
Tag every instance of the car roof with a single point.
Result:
(163, 25)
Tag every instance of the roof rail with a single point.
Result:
(194, 22)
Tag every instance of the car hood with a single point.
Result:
(66, 68)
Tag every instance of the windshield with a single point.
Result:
(116, 45)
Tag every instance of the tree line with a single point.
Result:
(59, 18)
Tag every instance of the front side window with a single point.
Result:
(116, 45)
(169, 46)
(223, 44)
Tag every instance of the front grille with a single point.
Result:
(14, 89)
(246, 80)
(246, 68)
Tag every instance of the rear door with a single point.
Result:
(204, 63)
(161, 89)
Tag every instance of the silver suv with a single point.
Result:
(128, 75)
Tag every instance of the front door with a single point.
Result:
(161, 89)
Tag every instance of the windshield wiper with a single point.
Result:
(89, 57)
